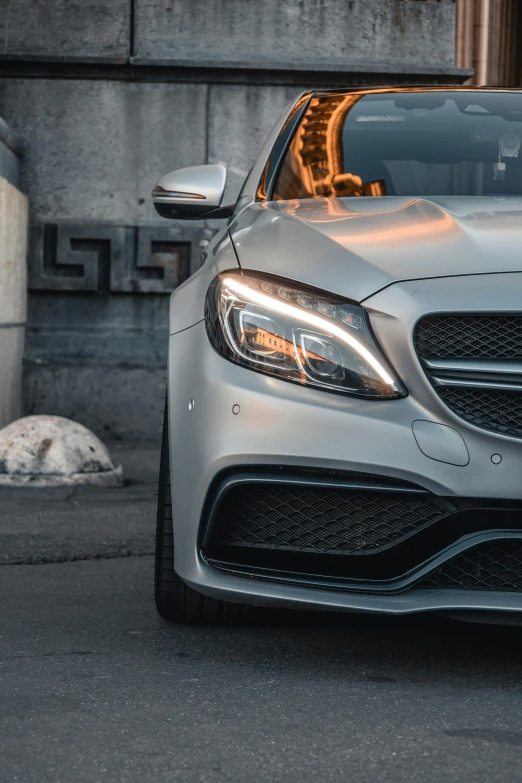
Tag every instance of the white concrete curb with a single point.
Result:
(50, 451)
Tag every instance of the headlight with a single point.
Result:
(298, 334)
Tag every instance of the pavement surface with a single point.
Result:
(84, 523)
(95, 687)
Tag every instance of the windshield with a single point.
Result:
(411, 143)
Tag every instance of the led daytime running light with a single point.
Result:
(312, 320)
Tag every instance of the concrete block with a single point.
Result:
(13, 298)
(12, 340)
(66, 29)
(93, 150)
(300, 34)
(13, 253)
(113, 402)
(240, 118)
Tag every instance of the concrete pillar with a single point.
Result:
(13, 286)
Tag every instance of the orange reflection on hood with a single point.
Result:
(415, 219)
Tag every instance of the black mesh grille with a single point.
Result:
(476, 337)
(469, 336)
(495, 565)
(495, 410)
(319, 519)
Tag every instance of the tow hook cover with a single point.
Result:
(440, 442)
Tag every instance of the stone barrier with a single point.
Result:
(50, 451)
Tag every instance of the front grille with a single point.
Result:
(469, 337)
(322, 520)
(496, 410)
(493, 565)
(448, 345)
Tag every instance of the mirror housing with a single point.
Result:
(193, 193)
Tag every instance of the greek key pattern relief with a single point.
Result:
(102, 257)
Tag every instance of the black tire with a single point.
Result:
(175, 601)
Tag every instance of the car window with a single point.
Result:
(412, 143)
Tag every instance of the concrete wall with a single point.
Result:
(310, 34)
(66, 29)
(107, 97)
(93, 149)
(101, 262)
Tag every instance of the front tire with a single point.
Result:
(175, 601)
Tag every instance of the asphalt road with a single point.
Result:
(83, 523)
(95, 687)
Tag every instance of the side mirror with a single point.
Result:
(193, 193)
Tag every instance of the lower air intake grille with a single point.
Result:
(493, 565)
(303, 518)
(492, 409)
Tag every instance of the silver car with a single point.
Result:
(344, 408)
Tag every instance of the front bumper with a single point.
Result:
(282, 424)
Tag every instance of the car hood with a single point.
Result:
(355, 247)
